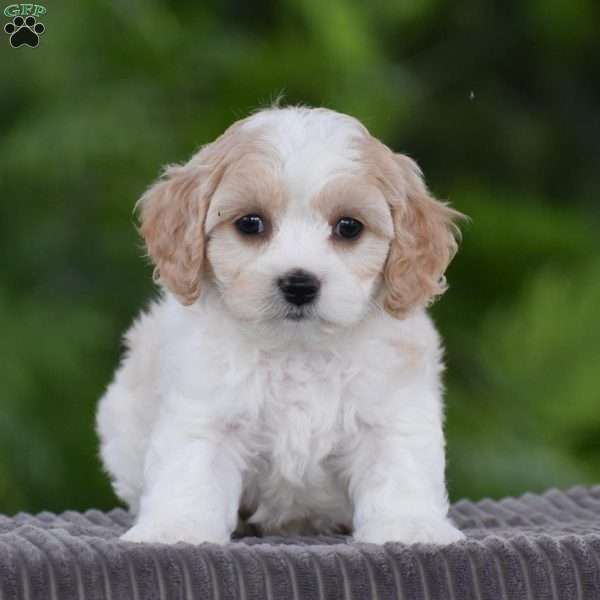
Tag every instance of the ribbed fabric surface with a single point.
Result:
(536, 546)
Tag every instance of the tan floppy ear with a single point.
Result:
(172, 214)
(424, 243)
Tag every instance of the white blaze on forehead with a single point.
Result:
(298, 243)
(312, 144)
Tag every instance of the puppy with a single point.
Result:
(289, 371)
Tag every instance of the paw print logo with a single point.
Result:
(24, 31)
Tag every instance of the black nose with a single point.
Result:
(299, 287)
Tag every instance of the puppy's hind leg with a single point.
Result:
(127, 411)
(122, 444)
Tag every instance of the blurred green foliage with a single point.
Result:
(498, 101)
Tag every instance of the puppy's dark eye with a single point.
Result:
(250, 225)
(347, 228)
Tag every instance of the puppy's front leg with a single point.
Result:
(398, 488)
(192, 487)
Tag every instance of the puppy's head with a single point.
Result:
(299, 214)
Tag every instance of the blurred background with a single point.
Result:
(498, 101)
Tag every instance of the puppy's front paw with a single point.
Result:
(163, 533)
(409, 530)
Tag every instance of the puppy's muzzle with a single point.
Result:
(299, 287)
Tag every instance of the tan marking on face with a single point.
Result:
(251, 186)
(354, 196)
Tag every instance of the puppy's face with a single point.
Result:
(281, 249)
(299, 215)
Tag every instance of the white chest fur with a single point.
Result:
(299, 440)
(292, 413)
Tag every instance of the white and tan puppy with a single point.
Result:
(289, 370)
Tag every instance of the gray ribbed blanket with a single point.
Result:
(536, 546)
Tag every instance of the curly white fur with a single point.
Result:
(311, 424)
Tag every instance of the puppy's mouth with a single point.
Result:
(298, 313)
